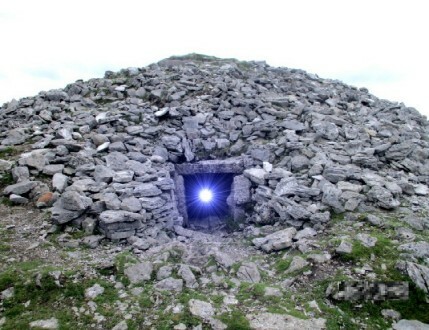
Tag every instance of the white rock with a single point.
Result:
(51, 324)
(94, 291)
(201, 309)
(267, 166)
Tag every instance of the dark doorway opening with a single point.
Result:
(206, 197)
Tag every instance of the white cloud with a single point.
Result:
(377, 44)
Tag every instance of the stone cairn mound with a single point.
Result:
(105, 154)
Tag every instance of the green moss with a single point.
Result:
(282, 264)
(4, 247)
(8, 152)
(235, 320)
(6, 179)
(188, 294)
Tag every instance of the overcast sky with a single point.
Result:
(381, 45)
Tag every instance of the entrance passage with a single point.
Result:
(206, 198)
(204, 192)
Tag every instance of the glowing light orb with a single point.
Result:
(206, 195)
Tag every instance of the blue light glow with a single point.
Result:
(206, 195)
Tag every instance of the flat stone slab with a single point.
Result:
(212, 166)
(270, 321)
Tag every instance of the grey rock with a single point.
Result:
(188, 276)
(331, 197)
(51, 324)
(290, 187)
(73, 201)
(123, 176)
(8, 293)
(421, 190)
(164, 272)
(112, 201)
(399, 151)
(19, 188)
(299, 163)
(345, 247)
(279, 240)
(88, 225)
(241, 190)
(5, 165)
(61, 216)
(20, 173)
(169, 284)
(391, 314)
(103, 147)
(152, 203)
(272, 292)
(256, 175)
(270, 321)
(297, 264)
(131, 204)
(116, 161)
(139, 272)
(14, 137)
(145, 244)
(120, 224)
(146, 190)
(92, 241)
(59, 182)
(201, 309)
(383, 198)
(373, 220)
(320, 217)
(417, 249)
(121, 326)
(335, 174)
(224, 260)
(248, 272)
(103, 174)
(305, 233)
(419, 274)
(327, 130)
(52, 169)
(117, 146)
(410, 325)
(366, 240)
(94, 291)
(17, 199)
(319, 258)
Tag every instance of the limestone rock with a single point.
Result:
(248, 272)
(297, 263)
(270, 321)
(19, 188)
(417, 249)
(51, 324)
(383, 198)
(139, 272)
(94, 291)
(73, 201)
(201, 309)
(170, 284)
(410, 325)
(279, 240)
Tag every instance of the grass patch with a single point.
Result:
(6, 179)
(8, 152)
(282, 264)
(235, 320)
(122, 260)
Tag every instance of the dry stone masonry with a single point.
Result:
(110, 155)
